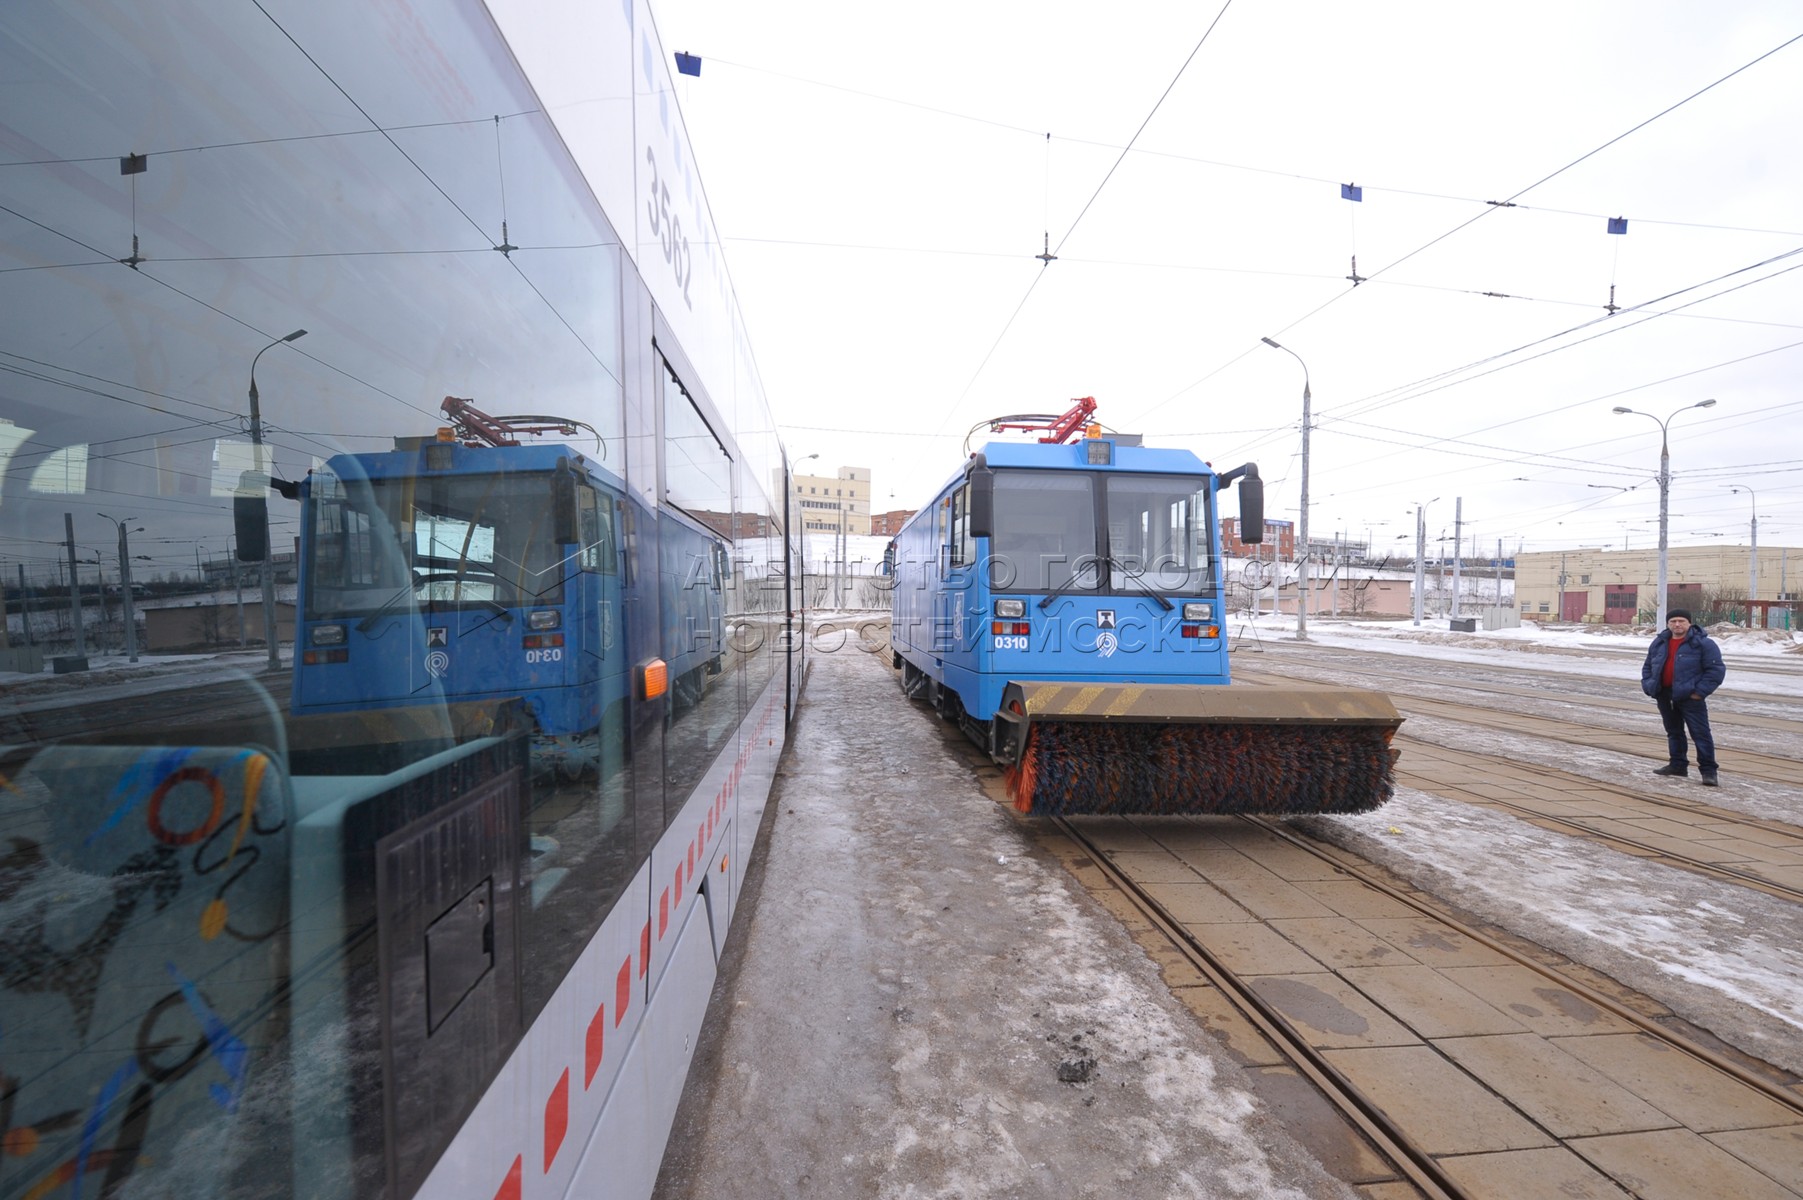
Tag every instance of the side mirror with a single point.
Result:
(982, 499)
(250, 524)
(1252, 510)
(1252, 502)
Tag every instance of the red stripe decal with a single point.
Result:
(691, 858)
(593, 1045)
(510, 1187)
(623, 991)
(663, 914)
(557, 1117)
(644, 955)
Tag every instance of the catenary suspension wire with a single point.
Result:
(1197, 49)
(1480, 216)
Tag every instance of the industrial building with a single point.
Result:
(1621, 587)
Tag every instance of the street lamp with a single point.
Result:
(256, 441)
(131, 622)
(1753, 555)
(793, 470)
(1665, 484)
(1302, 601)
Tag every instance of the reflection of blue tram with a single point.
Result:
(507, 556)
(472, 575)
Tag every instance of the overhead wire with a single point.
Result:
(1436, 240)
(1040, 274)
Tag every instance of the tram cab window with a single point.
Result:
(595, 526)
(1158, 533)
(1044, 535)
(963, 548)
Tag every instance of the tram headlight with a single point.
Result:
(1197, 612)
(328, 635)
(1010, 608)
(544, 618)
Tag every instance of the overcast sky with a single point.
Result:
(882, 181)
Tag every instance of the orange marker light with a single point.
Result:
(654, 679)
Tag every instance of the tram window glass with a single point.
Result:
(596, 527)
(704, 700)
(1044, 535)
(961, 541)
(463, 540)
(1158, 533)
(697, 469)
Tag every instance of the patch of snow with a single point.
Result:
(1719, 955)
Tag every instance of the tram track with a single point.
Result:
(1407, 692)
(1407, 1156)
(1704, 838)
(1413, 1155)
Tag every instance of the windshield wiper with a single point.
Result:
(1144, 587)
(1112, 565)
(368, 623)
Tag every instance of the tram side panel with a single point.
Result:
(230, 973)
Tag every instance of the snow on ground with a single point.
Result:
(1754, 797)
(1772, 659)
(1722, 956)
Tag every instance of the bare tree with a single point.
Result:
(207, 626)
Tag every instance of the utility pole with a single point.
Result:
(261, 468)
(1420, 560)
(81, 643)
(125, 596)
(24, 605)
(1561, 615)
(1499, 602)
(1304, 599)
(1458, 544)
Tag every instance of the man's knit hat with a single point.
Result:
(1680, 612)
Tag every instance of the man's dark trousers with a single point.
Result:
(1680, 715)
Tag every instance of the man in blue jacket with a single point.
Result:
(1683, 665)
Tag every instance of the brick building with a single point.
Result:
(1280, 540)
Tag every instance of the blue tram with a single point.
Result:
(1062, 601)
(477, 573)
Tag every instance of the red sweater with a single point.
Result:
(1671, 660)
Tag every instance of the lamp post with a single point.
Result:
(256, 441)
(1302, 601)
(1665, 484)
(804, 517)
(131, 623)
(1753, 554)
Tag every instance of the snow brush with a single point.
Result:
(1072, 749)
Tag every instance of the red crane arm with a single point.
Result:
(477, 427)
(1058, 429)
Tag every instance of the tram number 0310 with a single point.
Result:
(544, 656)
(1011, 642)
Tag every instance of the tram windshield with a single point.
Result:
(1064, 531)
(446, 540)
(1158, 527)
